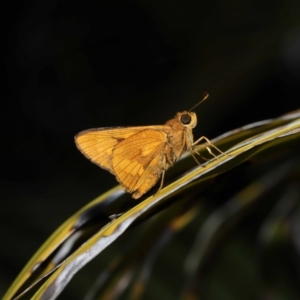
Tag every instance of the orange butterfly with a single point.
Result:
(138, 156)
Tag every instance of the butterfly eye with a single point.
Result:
(185, 119)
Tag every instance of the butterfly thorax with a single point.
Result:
(180, 135)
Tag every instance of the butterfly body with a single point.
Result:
(138, 156)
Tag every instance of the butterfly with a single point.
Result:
(139, 156)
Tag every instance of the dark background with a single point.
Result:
(74, 65)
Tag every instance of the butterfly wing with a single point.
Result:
(97, 144)
(135, 155)
(139, 160)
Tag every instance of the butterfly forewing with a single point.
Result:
(97, 144)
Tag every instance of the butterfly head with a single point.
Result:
(187, 119)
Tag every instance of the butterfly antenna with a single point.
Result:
(205, 96)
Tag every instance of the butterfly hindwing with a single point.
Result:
(137, 160)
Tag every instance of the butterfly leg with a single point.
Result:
(205, 158)
(208, 147)
(194, 157)
(161, 182)
(210, 152)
